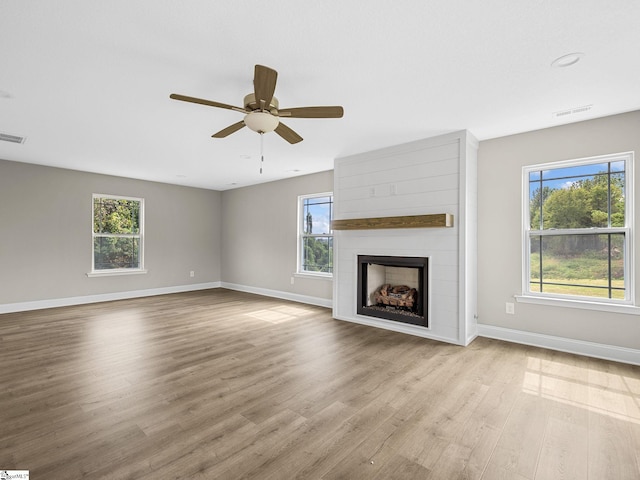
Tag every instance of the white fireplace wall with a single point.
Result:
(431, 176)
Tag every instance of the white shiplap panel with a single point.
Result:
(407, 186)
(442, 289)
(448, 273)
(422, 202)
(422, 240)
(414, 179)
(413, 210)
(394, 173)
(440, 183)
(413, 155)
(420, 210)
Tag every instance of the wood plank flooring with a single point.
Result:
(219, 384)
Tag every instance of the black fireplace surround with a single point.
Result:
(418, 314)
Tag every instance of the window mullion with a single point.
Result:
(609, 195)
(117, 235)
(609, 252)
(578, 231)
(541, 222)
(540, 263)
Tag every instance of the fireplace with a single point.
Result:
(381, 193)
(394, 288)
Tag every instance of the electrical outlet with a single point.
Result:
(292, 280)
(192, 274)
(510, 308)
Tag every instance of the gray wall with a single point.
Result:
(500, 163)
(247, 236)
(45, 233)
(259, 234)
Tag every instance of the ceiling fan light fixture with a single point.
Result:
(261, 122)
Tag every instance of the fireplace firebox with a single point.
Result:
(394, 288)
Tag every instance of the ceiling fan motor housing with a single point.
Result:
(251, 104)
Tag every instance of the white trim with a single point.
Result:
(115, 272)
(320, 302)
(316, 276)
(314, 195)
(579, 347)
(116, 197)
(577, 162)
(629, 203)
(586, 304)
(102, 297)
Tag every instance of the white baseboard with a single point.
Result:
(320, 302)
(589, 349)
(102, 297)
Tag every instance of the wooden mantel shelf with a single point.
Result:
(438, 220)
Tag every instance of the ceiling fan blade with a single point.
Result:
(229, 130)
(312, 112)
(264, 84)
(288, 134)
(210, 103)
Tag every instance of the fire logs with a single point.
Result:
(400, 296)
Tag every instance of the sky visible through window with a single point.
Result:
(561, 178)
(594, 180)
(320, 210)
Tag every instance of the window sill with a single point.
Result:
(317, 276)
(582, 304)
(114, 273)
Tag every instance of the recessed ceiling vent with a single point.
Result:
(572, 111)
(5, 137)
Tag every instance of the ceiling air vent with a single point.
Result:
(572, 111)
(11, 138)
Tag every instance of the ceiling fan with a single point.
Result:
(262, 110)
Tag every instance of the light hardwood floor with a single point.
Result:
(222, 385)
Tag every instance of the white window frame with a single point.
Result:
(302, 235)
(595, 303)
(140, 236)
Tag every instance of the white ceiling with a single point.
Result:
(87, 82)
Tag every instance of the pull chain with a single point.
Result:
(261, 151)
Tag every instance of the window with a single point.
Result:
(315, 237)
(577, 225)
(117, 234)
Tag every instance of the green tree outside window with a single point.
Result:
(117, 233)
